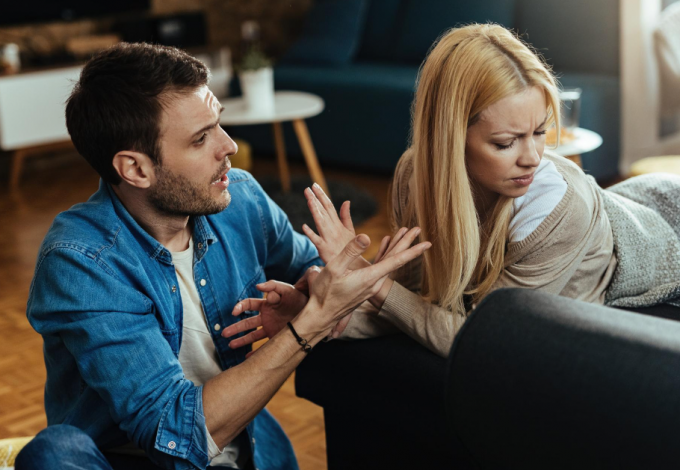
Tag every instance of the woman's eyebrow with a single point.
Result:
(520, 134)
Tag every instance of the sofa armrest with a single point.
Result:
(383, 403)
(550, 382)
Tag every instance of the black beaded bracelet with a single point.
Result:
(301, 341)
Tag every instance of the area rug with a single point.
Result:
(363, 205)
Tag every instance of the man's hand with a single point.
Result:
(282, 304)
(337, 290)
(335, 232)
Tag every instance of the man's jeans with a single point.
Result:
(62, 446)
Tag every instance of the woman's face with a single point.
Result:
(506, 144)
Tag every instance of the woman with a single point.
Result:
(499, 211)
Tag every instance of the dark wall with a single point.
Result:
(574, 35)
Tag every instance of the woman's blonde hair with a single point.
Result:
(469, 69)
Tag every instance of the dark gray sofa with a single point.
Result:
(532, 381)
(368, 93)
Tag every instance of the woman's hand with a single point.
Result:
(282, 303)
(334, 231)
(390, 247)
(337, 290)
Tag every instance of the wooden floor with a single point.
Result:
(52, 185)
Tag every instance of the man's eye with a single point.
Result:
(540, 132)
(202, 139)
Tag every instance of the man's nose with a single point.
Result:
(229, 146)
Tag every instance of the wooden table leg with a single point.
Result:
(284, 172)
(576, 159)
(17, 165)
(310, 154)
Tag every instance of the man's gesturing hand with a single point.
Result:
(337, 290)
(282, 304)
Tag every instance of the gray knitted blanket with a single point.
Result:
(644, 213)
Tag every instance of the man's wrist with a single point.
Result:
(309, 325)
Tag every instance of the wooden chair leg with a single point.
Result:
(309, 153)
(284, 172)
(17, 165)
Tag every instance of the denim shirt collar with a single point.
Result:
(202, 233)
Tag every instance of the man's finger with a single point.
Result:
(250, 338)
(279, 287)
(352, 251)
(245, 305)
(244, 325)
(273, 298)
(346, 217)
(312, 274)
(302, 284)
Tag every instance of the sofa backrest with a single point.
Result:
(404, 30)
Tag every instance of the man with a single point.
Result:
(133, 288)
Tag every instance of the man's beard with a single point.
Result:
(176, 195)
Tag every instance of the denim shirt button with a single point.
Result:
(174, 289)
(203, 282)
(172, 444)
(253, 441)
(217, 327)
(200, 246)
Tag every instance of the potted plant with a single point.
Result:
(257, 80)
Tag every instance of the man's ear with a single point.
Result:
(134, 168)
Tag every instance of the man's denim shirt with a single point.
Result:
(105, 299)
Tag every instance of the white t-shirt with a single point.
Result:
(530, 210)
(197, 354)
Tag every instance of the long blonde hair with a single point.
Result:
(469, 69)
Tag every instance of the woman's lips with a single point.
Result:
(524, 180)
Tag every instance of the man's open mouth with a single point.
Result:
(222, 179)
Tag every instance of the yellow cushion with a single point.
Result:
(666, 164)
(242, 159)
(9, 448)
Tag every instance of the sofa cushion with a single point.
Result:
(331, 35)
(365, 124)
(423, 21)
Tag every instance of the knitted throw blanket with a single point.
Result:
(644, 213)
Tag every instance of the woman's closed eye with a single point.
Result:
(507, 145)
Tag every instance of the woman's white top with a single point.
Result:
(545, 192)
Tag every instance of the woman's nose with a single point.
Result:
(531, 153)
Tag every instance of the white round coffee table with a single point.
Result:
(584, 141)
(295, 106)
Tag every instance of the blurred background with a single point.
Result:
(349, 68)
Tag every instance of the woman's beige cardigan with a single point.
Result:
(571, 253)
